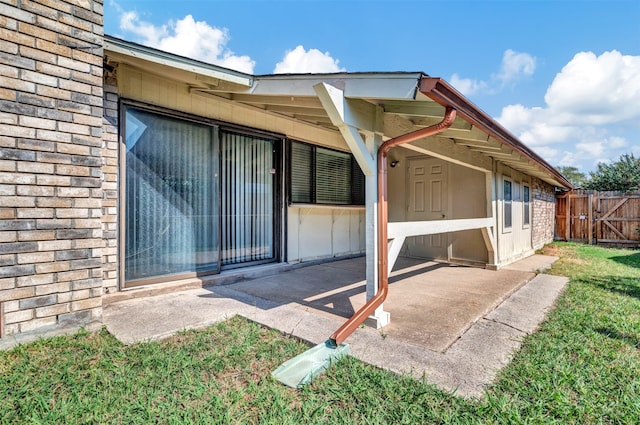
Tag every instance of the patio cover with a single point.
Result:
(386, 103)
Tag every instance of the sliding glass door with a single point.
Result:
(247, 198)
(196, 198)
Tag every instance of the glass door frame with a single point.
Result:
(279, 212)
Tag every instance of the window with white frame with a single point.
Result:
(507, 197)
(526, 205)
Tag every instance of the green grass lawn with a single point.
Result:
(583, 366)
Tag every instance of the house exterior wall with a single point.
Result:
(312, 232)
(466, 198)
(544, 213)
(110, 165)
(513, 242)
(59, 168)
(147, 87)
(50, 164)
(469, 200)
(343, 233)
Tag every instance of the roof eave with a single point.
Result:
(443, 93)
(149, 54)
(363, 85)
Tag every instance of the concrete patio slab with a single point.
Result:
(475, 349)
(431, 303)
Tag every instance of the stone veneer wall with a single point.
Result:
(51, 176)
(544, 213)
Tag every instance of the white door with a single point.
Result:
(427, 201)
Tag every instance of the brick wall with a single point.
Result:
(51, 196)
(544, 213)
(110, 184)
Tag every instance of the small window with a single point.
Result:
(508, 201)
(526, 201)
(324, 176)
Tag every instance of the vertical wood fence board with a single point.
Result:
(599, 217)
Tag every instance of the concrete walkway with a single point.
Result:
(455, 326)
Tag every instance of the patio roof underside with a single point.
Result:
(396, 97)
(404, 109)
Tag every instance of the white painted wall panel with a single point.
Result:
(341, 232)
(356, 226)
(293, 234)
(316, 233)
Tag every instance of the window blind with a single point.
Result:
(170, 222)
(247, 198)
(324, 176)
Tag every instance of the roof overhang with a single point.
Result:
(444, 94)
(405, 101)
(138, 55)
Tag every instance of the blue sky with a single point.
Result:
(563, 76)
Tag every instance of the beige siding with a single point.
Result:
(146, 87)
(469, 200)
(514, 242)
(466, 199)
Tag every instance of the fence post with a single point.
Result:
(568, 219)
(590, 219)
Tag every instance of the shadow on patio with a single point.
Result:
(454, 325)
(431, 303)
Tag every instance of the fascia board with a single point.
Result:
(359, 86)
(159, 57)
(443, 93)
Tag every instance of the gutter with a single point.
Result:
(443, 93)
(383, 255)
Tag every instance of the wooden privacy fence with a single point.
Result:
(599, 217)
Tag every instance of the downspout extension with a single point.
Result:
(383, 255)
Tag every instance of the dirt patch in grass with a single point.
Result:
(554, 250)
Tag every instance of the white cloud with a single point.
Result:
(151, 35)
(467, 86)
(187, 37)
(515, 65)
(586, 155)
(592, 106)
(547, 152)
(598, 89)
(300, 61)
